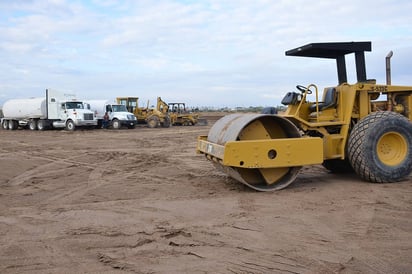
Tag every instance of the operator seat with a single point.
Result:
(329, 100)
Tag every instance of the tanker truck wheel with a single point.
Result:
(41, 125)
(116, 124)
(33, 124)
(380, 147)
(5, 125)
(70, 126)
(13, 125)
(244, 127)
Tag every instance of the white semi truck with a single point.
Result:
(118, 114)
(56, 110)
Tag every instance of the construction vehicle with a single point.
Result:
(154, 117)
(180, 116)
(363, 127)
(132, 105)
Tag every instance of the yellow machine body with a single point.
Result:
(266, 153)
(363, 127)
(154, 117)
(180, 116)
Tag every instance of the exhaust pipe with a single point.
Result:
(388, 68)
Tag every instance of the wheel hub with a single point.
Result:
(392, 148)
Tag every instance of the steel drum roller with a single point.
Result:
(242, 127)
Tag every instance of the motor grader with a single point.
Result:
(153, 117)
(363, 127)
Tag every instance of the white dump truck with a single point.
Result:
(118, 114)
(56, 110)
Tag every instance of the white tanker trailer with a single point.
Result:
(56, 110)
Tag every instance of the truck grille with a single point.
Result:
(131, 117)
(88, 116)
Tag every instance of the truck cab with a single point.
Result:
(72, 114)
(118, 114)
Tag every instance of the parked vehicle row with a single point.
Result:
(63, 110)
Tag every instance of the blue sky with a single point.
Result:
(205, 53)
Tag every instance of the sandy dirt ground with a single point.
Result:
(142, 201)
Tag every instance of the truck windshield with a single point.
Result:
(74, 105)
(119, 108)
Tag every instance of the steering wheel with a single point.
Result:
(303, 89)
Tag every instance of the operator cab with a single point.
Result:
(329, 100)
(330, 97)
(335, 51)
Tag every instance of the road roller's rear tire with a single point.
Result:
(380, 147)
(244, 127)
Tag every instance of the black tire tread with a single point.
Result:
(360, 138)
(155, 123)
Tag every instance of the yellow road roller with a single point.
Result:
(363, 127)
